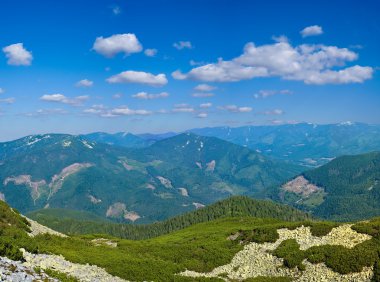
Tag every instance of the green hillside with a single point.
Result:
(183, 173)
(237, 206)
(201, 248)
(347, 188)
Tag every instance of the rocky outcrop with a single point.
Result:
(37, 229)
(26, 180)
(165, 182)
(58, 179)
(15, 271)
(119, 210)
(83, 272)
(256, 260)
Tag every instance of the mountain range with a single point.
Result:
(147, 178)
(172, 176)
(304, 144)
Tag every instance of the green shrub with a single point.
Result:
(290, 251)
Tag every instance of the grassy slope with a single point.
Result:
(200, 247)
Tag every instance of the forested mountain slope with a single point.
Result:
(347, 188)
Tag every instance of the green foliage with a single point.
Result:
(200, 247)
(236, 206)
(351, 189)
(352, 184)
(60, 276)
(372, 227)
(259, 234)
(290, 251)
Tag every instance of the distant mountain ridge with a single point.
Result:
(303, 143)
(172, 176)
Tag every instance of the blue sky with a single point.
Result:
(155, 66)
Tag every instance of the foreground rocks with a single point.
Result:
(255, 260)
(15, 271)
(37, 229)
(84, 273)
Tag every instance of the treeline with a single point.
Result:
(237, 206)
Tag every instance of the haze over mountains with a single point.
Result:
(303, 143)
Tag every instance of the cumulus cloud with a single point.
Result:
(106, 112)
(146, 96)
(2, 90)
(202, 95)
(312, 64)
(84, 83)
(311, 31)
(235, 109)
(60, 98)
(139, 77)
(267, 93)
(204, 87)
(182, 45)
(126, 43)
(150, 52)
(17, 55)
(205, 105)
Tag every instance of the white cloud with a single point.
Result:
(182, 45)
(139, 77)
(106, 112)
(2, 90)
(150, 52)
(236, 109)
(17, 55)
(60, 98)
(7, 100)
(202, 115)
(126, 43)
(267, 93)
(146, 96)
(205, 105)
(204, 87)
(311, 31)
(84, 83)
(125, 111)
(312, 64)
(274, 112)
(202, 95)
